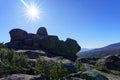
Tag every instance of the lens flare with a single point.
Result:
(32, 10)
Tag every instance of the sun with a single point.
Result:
(33, 11)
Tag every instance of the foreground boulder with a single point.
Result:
(93, 75)
(113, 63)
(110, 62)
(87, 75)
(25, 77)
(40, 77)
(51, 44)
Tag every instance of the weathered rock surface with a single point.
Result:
(32, 54)
(25, 77)
(51, 44)
(87, 75)
(40, 77)
(93, 75)
(73, 45)
(18, 34)
(111, 62)
(66, 49)
(42, 32)
(18, 77)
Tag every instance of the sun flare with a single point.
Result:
(33, 12)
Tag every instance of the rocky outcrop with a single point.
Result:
(18, 34)
(72, 45)
(42, 32)
(110, 62)
(40, 77)
(87, 75)
(32, 54)
(26, 77)
(51, 44)
(61, 48)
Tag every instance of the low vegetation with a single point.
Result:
(79, 66)
(53, 71)
(11, 62)
(101, 67)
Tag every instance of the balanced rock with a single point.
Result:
(42, 32)
(18, 34)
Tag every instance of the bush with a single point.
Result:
(101, 67)
(12, 62)
(41, 67)
(79, 65)
(2, 45)
(53, 71)
(57, 71)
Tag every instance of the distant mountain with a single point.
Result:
(84, 49)
(113, 49)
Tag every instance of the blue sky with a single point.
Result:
(93, 23)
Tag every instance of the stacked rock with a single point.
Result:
(21, 39)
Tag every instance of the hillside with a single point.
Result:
(113, 49)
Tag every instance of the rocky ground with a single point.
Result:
(91, 72)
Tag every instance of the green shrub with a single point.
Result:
(2, 45)
(12, 62)
(53, 71)
(101, 67)
(57, 71)
(41, 67)
(79, 65)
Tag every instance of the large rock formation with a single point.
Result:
(20, 39)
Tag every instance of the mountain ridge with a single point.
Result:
(112, 49)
